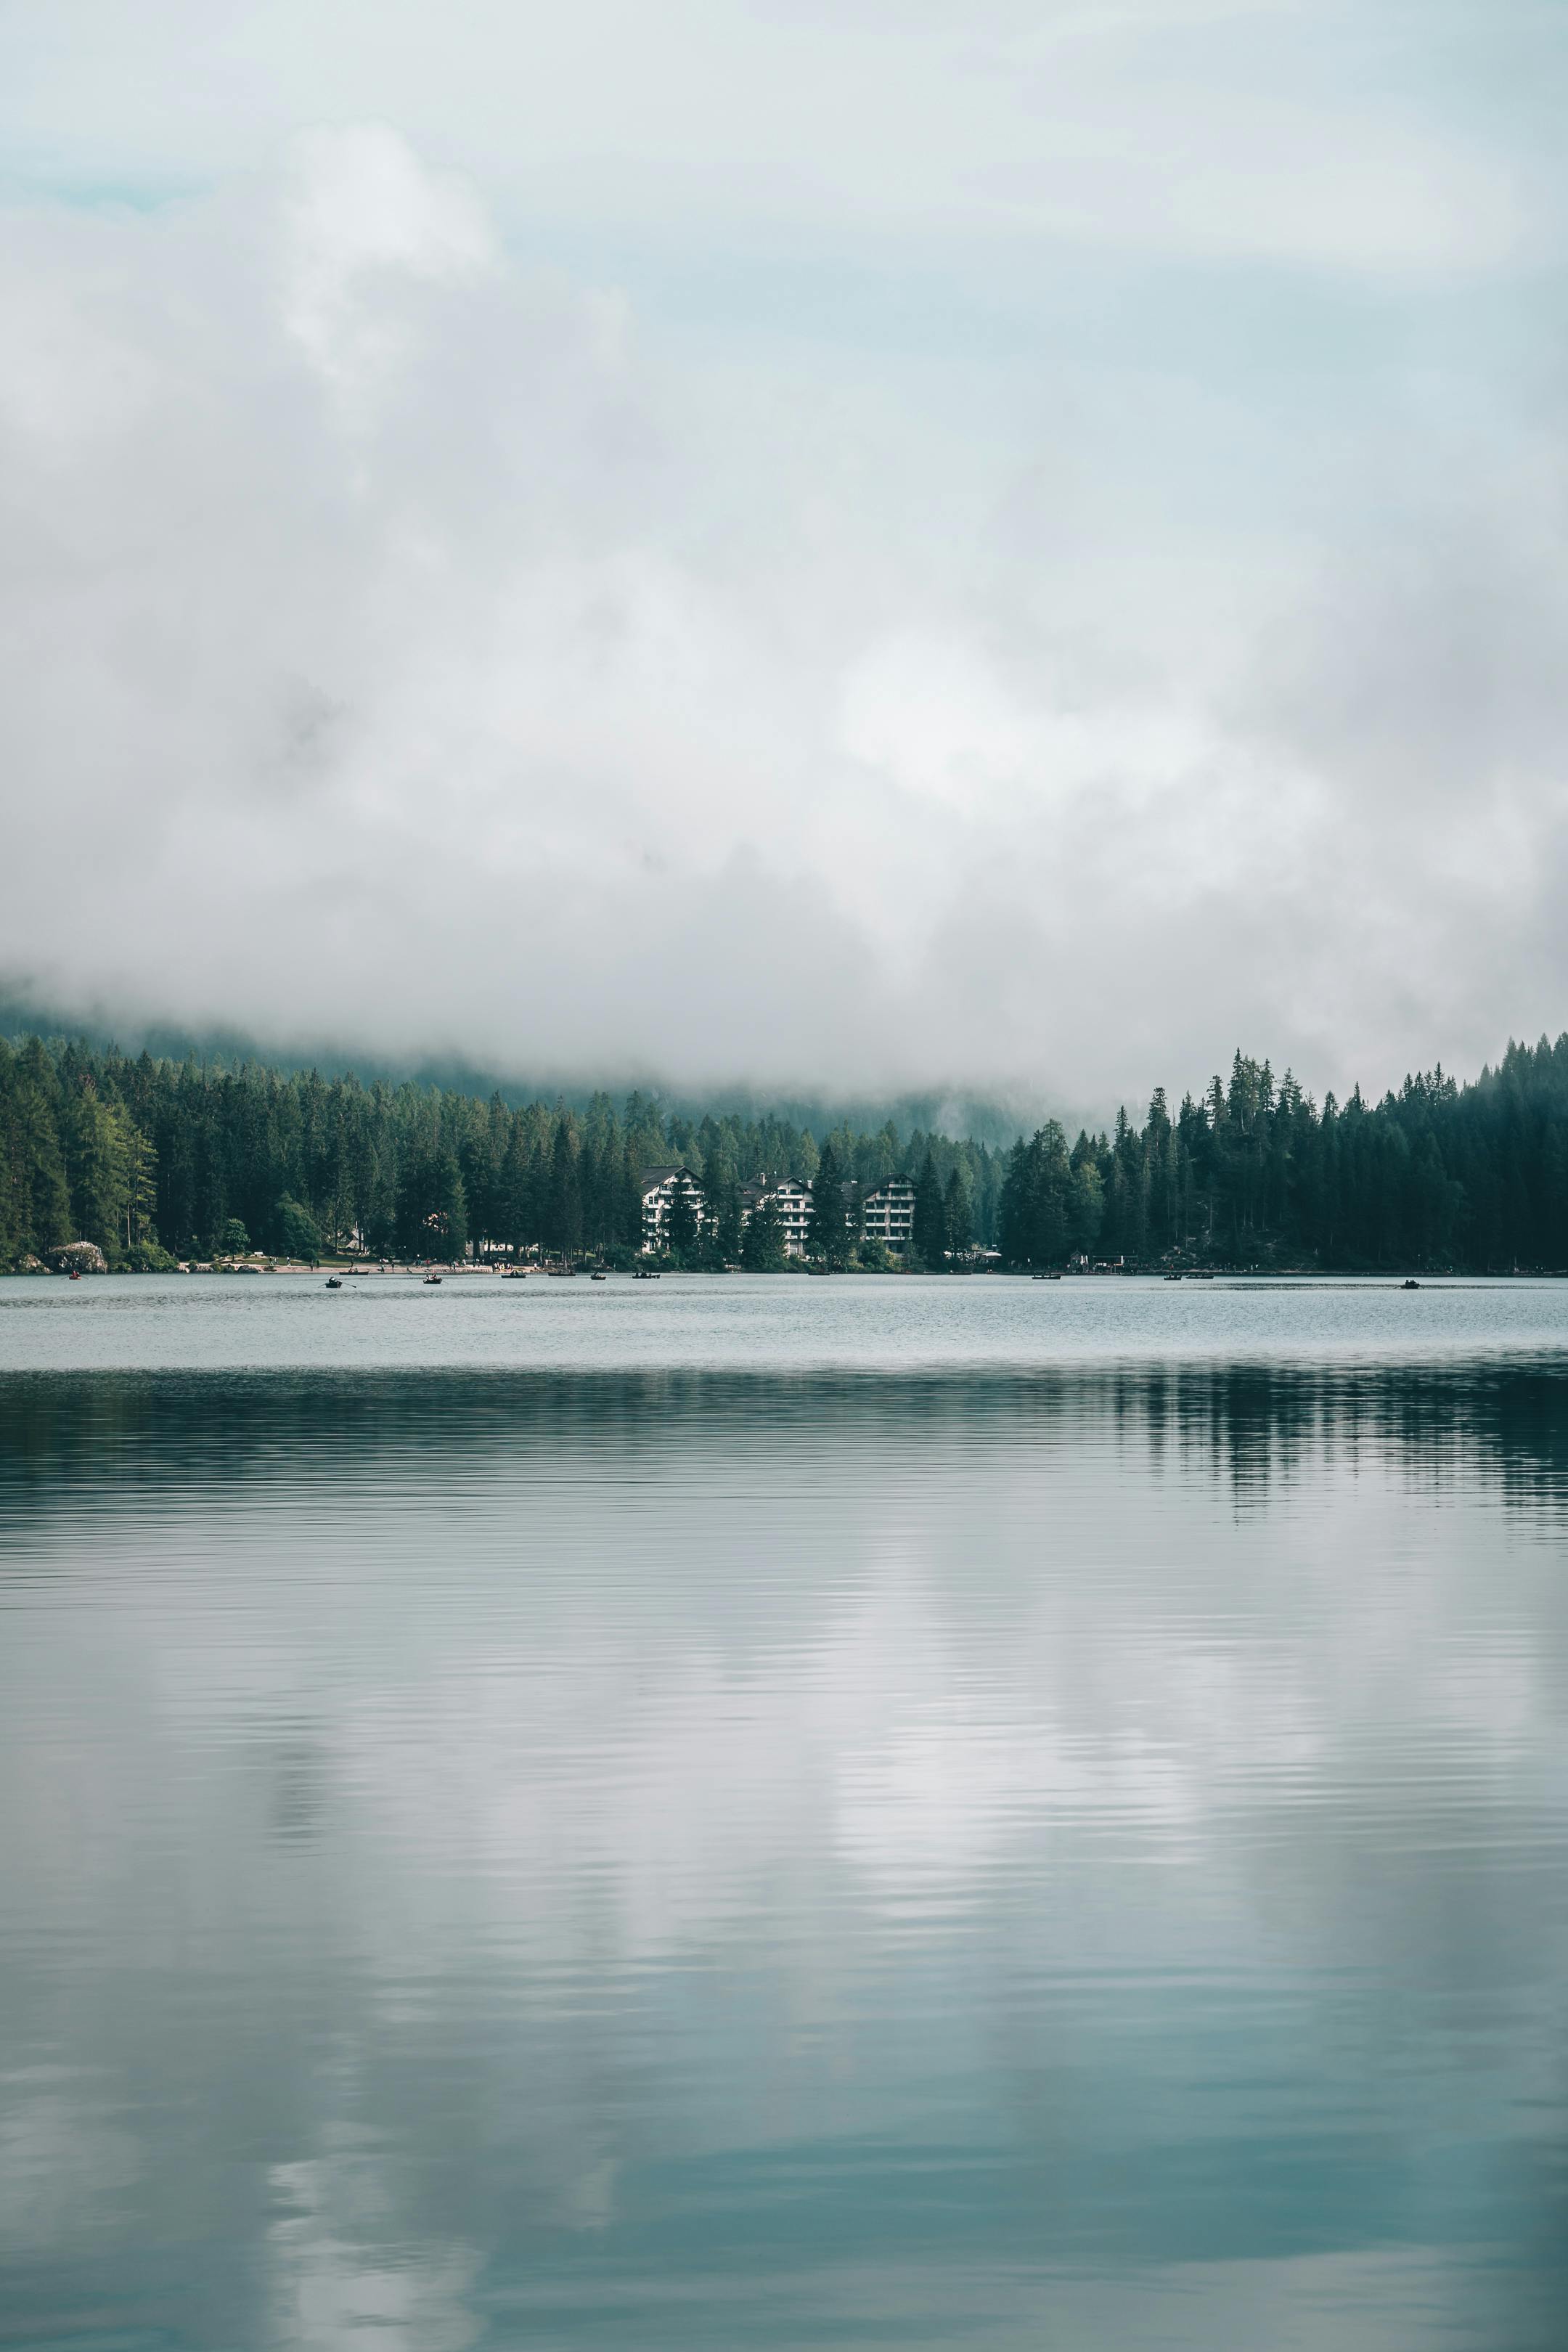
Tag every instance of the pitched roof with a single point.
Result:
(652, 1177)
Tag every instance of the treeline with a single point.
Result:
(154, 1161)
(1437, 1175)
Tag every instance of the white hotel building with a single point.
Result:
(888, 1211)
(793, 1201)
(659, 1187)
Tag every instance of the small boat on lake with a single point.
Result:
(433, 1278)
(515, 1274)
(645, 1274)
(334, 1283)
(1412, 1284)
(599, 1277)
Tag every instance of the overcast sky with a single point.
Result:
(872, 545)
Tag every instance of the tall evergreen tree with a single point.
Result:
(958, 1213)
(929, 1223)
(829, 1231)
(683, 1228)
(1035, 1230)
(562, 1224)
(37, 1111)
(763, 1242)
(722, 1206)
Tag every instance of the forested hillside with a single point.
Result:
(1436, 1175)
(152, 1159)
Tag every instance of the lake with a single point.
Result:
(755, 1813)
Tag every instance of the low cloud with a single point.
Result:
(409, 644)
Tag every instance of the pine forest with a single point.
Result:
(156, 1162)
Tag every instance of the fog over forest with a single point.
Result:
(855, 551)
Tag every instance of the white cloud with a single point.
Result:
(335, 2284)
(416, 644)
(362, 210)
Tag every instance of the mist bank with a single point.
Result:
(152, 1160)
(993, 1116)
(407, 633)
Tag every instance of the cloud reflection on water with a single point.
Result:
(739, 1858)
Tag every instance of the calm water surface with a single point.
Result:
(782, 1814)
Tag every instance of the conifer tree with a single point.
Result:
(682, 1226)
(563, 1220)
(36, 1106)
(763, 1242)
(829, 1234)
(929, 1223)
(958, 1214)
(722, 1203)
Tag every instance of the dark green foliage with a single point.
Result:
(722, 1233)
(958, 1214)
(144, 1157)
(1085, 1205)
(431, 1218)
(763, 1243)
(929, 1225)
(73, 1164)
(299, 1235)
(38, 1106)
(682, 1230)
(832, 1233)
(1436, 1175)
(854, 1214)
(560, 1226)
(1036, 1228)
